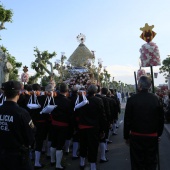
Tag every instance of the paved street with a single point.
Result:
(118, 154)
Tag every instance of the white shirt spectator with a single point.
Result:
(119, 96)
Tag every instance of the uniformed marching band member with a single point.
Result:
(92, 125)
(117, 111)
(143, 125)
(61, 119)
(16, 131)
(41, 122)
(113, 107)
(75, 137)
(102, 146)
(48, 94)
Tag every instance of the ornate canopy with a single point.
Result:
(81, 54)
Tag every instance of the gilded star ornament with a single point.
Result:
(148, 34)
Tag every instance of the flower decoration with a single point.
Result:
(141, 72)
(80, 79)
(149, 55)
(24, 77)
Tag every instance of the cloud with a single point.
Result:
(119, 70)
(125, 73)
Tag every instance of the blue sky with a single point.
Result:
(111, 28)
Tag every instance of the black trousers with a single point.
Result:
(14, 161)
(89, 142)
(59, 136)
(42, 129)
(76, 137)
(143, 152)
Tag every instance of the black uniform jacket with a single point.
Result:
(118, 108)
(93, 114)
(43, 101)
(63, 111)
(113, 107)
(143, 114)
(22, 100)
(35, 113)
(16, 127)
(74, 119)
(106, 104)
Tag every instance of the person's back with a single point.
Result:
(123, 97)
(106, 106)
(143, 125)
(61, 119)
(119, 96)
(92, 125)
(146, 110)
(91, 114)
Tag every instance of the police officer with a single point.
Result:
(16, 131)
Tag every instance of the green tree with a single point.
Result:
(13, 74)
(5, 16)
(40, 64)
(165, 69)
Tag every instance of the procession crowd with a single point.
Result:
(55, 118)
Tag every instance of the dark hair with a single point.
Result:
(98, 88)
(144, 83)
(92, 89)
(11, 88)
(11, 93)
(109, 93)
(111, 90)
(25, 86)
(29, 87)
(104, 90)
(74, 91)
(43, 88)
(63, 88)
(36, 87)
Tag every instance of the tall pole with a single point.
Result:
(153, 90)
(135, 82)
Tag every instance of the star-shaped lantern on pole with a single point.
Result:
(148, 34)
